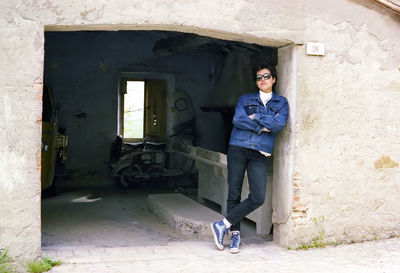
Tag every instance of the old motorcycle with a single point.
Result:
(137, 163)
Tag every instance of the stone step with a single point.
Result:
(183, 214)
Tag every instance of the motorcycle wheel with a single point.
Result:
(128, 178)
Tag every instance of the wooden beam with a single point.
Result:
(391, 4)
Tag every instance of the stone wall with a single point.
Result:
(346, 174)
(21, 62)
(346, 178)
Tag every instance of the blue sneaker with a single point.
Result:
(219, 230)
(235, 244)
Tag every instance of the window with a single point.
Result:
(133, 109)
(142, 109)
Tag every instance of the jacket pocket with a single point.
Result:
(274, 107)
(251, 108)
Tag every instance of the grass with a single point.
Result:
(319, 240)
(5, 260)
(34, 266)
(43, 265)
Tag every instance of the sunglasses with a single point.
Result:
(266, 76)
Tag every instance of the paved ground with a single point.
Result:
(109, 230)
(196, 256)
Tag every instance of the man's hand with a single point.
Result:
(263, 129)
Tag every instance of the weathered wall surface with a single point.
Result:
(21, 62)
(347, 136)
(347, 176)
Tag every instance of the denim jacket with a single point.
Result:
(247, 132)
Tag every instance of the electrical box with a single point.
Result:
(315, 49)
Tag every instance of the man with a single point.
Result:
(258, 117)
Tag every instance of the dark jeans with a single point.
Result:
(239, 160)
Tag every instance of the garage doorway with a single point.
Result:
(84, 68)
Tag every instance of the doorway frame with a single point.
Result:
(284, 150)
(283, 165)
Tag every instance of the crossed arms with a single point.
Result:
(260, 122)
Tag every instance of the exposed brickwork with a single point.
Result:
(299, 210)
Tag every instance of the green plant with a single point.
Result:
(303, 246)
(5, 262)
(318, 241)
(39, 266)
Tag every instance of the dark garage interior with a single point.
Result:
(85, 70)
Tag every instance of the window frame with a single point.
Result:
(123, 77)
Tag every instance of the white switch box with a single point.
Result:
(315, 49)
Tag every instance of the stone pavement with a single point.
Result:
(111, 231)
(202, 256)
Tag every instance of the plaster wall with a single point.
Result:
(346, 174)
(346, 177)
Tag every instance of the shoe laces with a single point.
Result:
(223, 230)
(235, 239)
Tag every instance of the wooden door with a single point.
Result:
(155, 109)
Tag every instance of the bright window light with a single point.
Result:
(133, 109)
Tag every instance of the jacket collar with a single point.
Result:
(256, 96)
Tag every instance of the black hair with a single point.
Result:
(270, 67)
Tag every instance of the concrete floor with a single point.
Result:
(106, 216)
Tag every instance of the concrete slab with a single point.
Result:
(183, 214)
